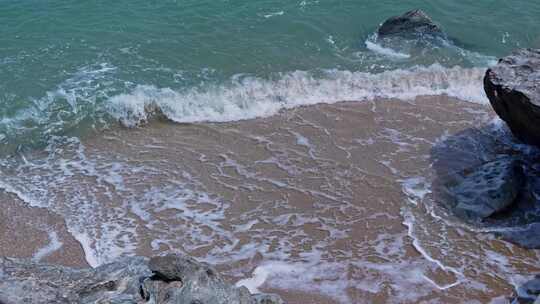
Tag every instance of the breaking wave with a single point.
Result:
(246, 97)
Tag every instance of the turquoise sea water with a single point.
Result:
(64, 64)
(73, 72)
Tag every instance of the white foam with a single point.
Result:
(89, 253)
(270, 15)
(246, 97)
(76, 187)
(27, 199)
(331, 40)
(311, 276)
(260, 274)
(408, 221)
(416, 188)
(81, 88)
(379, 49)
(504, 38)
(54, 244)
(316, 275)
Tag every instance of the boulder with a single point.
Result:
(412, 22)
(528, 237)
(513, 89)
(167, 279)
(489, 188)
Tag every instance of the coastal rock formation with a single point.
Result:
(412, 22)
(488, 181)
(513, 89)
(489, 188)
(168, 279)
(529, 292)
(527, 237)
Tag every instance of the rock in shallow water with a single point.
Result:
(529, 292)
(513, 89)
(490, 188)
(169, 279)
(412, 22)
(527, 237)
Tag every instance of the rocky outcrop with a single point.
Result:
(529, 292)
(166, 279)
(489, 182)
(513, 89)
(489, 188)
(526, 237)
(412, 22)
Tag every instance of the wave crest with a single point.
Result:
(252, 97)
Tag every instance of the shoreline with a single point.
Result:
(36, 233)
(360, 136)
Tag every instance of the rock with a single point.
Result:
(532, 287)
(528, 237)
(177, 267)
(412, 22)
(528, 292)
(200, 283)
(489, 189)
(168, 279)
(267, 299)
(513, 89)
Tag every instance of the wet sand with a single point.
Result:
(35, 233)
(321, 204)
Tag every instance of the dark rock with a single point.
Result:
(528, 237)
(489, 189)
(176, 267)
(199, 282)
(532, 287)
(513, 89)
(170, 279)
(528, 292)
(412, 22)
(267, 299)
(460, 158)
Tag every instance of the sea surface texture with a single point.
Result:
(283, 141)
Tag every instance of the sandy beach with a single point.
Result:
(320, 204)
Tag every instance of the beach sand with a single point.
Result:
(326, 203)
(35, 233)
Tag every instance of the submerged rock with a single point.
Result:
(489, 188)
(529, 292)
(412, 22)
(528, 237)
(513, 89)
(168, 279)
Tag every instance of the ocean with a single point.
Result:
(280, 140)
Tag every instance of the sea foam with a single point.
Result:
(251, 97)
(377, 48)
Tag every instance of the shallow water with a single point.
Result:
(64, 65)
(257, 164)
(334, 201)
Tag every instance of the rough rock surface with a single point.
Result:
(412, 22)
(168, 279)
(528, 292)
(513, 89)
(527, 237)
(490, 188)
